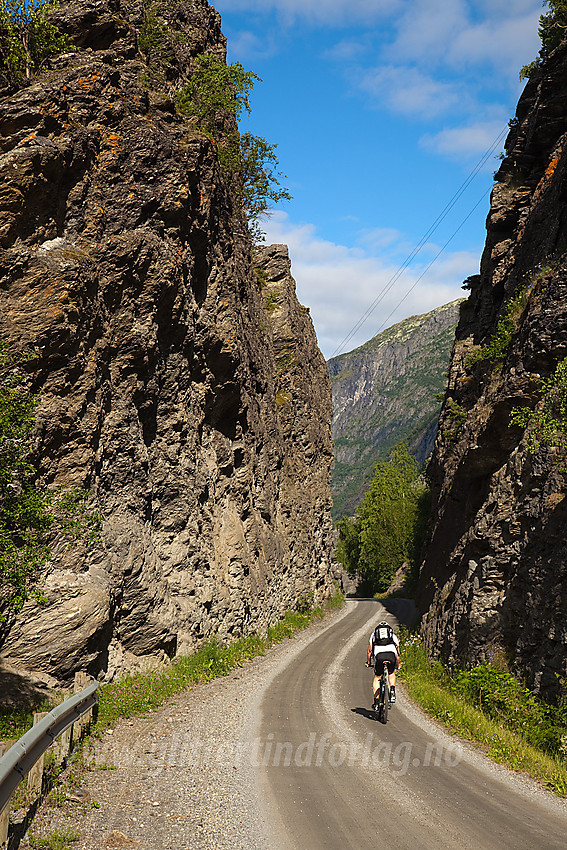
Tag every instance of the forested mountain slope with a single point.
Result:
(385, 392)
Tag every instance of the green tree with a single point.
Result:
(216, 94)
(390, 522)
(552, 30)
(215, 90)
(260, 181)
(27, 38)
(348, 545)
(552, 26)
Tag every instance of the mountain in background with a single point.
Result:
(385, 392)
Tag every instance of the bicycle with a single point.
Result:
(382, 699)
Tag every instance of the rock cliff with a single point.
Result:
(385, 392)
(495, 573)
(180, 380)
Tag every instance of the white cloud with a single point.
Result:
(348, 50)
(450, 56)
(507, 44)
(381, 237)
(339, 284)
(247, 45)
(458, 32)
(325, 12)
(409, 91)
(470, 140)
(425, 30)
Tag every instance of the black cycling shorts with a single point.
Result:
(379, 659)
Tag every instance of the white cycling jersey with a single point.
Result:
(390, 647)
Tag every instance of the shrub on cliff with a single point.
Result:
(27, 38)
(547, 422)
(23, 514)
(552, 30)
(215, 92)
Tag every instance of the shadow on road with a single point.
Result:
(364, 712)
(404, 610)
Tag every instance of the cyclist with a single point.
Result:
(383, 646)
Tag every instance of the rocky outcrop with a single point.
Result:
(386, 392)
(495, 572)
(192, 406)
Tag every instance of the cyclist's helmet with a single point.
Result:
(383, 624)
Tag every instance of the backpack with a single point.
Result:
(383, 635)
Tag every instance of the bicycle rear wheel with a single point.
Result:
(384, 698)
(385, 708)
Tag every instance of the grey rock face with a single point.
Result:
(386, 392)
(494, 577)
(198, 419)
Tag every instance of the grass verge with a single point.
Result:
(500, 715)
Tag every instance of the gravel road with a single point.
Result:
(185, 777)
(336, 779)
(228, 765)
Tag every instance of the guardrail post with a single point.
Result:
(5, 814)
(35, 776)
(82, 680)
(62, 746)
(4, 826)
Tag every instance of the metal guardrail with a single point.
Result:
(22, 756)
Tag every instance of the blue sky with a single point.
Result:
(380, 111)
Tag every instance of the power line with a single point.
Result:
(441, 217)
(435, 258)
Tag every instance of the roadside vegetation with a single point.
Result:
(15, 722)
(490, 707)
(138, 694)
(58, 840)
(389, 526)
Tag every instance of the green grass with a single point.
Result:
(14, 722)
(144, 692)
(59, 840)
(491, 708)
